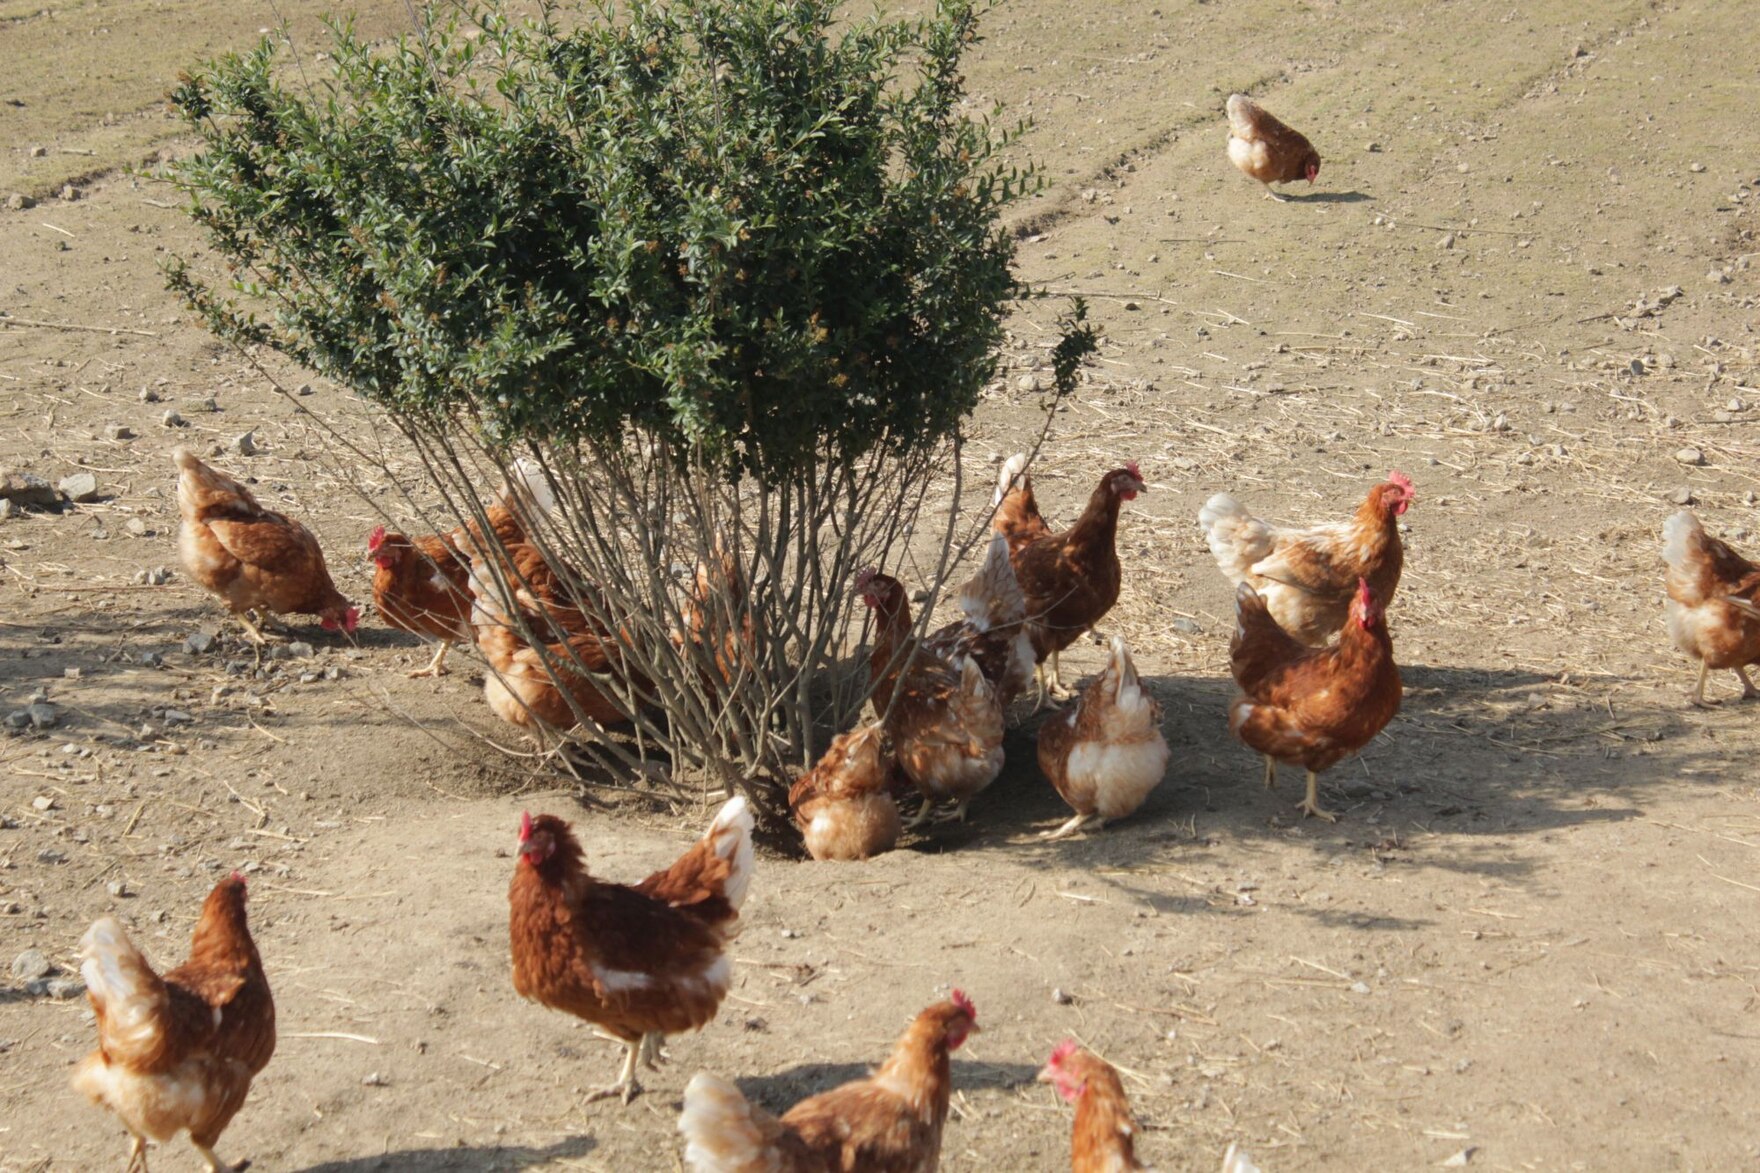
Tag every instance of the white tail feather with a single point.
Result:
(720, 1132)
(993, 597)
(129, 997)
(1681, 534)
(1013, 467)
(1235, 1160)
(730, 837)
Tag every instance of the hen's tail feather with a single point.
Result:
(993, 598)
(1241, 113)
(527, 483)
(1014, 466)
(723, 1132)
(1682, 535)
(130, 999)
(1236, 538)
(730, 837)
(1235, 1160)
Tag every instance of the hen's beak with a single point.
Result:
(1046, 1075)
(528, 847)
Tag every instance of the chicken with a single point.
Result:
(565, 679)
(993, 628)
(843, 805)
(1712, 613)
(945, 721)
(422, 585)
(890, 1122)
(253, 558)
(1106, 755)
(1311, 706)
(1309, 576)
(720, 624)
(1070, 579)
(178, 1052)
(639, 962)
(1104, 1137)
(1265, 148)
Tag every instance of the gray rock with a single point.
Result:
(80, 486)
(148, 395)
(305, 389)
(8, 509)
(1186, 626)
(29, 491)
(135, 526)
(18, 720)
(198, 643)
(204, 405)
(244, 445)
(172, 420)
(65, 987)
(299, 649)
(1689, 456)
(1681, 497)
(42, 716)
(18, 201)
(32, 964)
(152, 659)
(177, 717)
(118, 432)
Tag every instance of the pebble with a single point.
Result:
(305, 389)
(172, 420)
(1681, 497)
(136, 526)
(18, 201)
(42, 716)
(8, 509)
(148, 395)
(118, 432)
(63, 987)
(18, 721)
(1027, 384)
(198, 642)
(1460, 1159)
(1373, 147)
(1696, 169)
(1690, 456)
(376, 1080)
(1186, 626)
(69, 192)
(177, 717)
(1061, 996)
(1447, 241)
(118, 889)
(1359, 987)
(205, 405)
(1717, 277)
(299, 649)
(244, 445)
(310, 677)
(32, 964)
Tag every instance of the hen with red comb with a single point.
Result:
(1104, 1136)
(1308, 577)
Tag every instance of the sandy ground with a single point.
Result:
(1523, 278)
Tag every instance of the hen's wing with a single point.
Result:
(144, 1024)
(1702, 568)
(726, 1133)
(863, 1126)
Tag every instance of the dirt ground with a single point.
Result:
(1523, 278)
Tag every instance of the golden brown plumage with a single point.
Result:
(1070, 579)
(1103, 1139)
(1311, 706)
(888, 1123)
(641, 962)
(843, 805)
(944, 719)
(1017, 516)
(1308, 577)
(178, 1052)
(1711, 602)
(252, 557)
(1265, 148)
(992, 628)
(1107, 754)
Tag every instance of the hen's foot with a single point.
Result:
(1075, 824)
(922, 816)
(626, 1086)
(1749, 692)
(1270, 773)
(436, 666)
(137, 1155)
(654, 1050)
(215, 1164)
(1310, 806)
(956, 815)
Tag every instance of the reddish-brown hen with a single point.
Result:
(1712, 615)
(1070, 579)
(639, 962)
(1305, 706)
(422, 585)
(944, 719)
(178, 1052)
(1265, 148)
(1106, 755)
(844, 805)
(1308, 577)
(992, 629)
(253, 558)
(888, 1123)
(1104, 1137)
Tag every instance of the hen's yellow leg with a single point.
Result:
(1270, 772)
(1076, 823)
(1310, 806)
(436, 666)
(1749, 692)
(626, 1085)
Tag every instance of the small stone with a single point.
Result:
(332, 673)
(1359, 987)
(198, 643)
(1460, 1159)
(207, 405)
(1696, 169)
(148, 395)
(1132, 305)
(299, 649)
(1027, 384)
(1186, 626)
(1061, 996)
(8, 509)
(244, 445)
(18, 201)
(118, 889)
(1447, 241)
(177, 717)
(118, 432)
(81, 487)
(1718, 277)
(1373, 147)
(18, 721)
(173, 420)
(69, 192)
(135, 526)
(29, 491)
(31, 965)
(376, 1080)
(1681, 497)
(1690, 456)
(152, 659)
(305, 389)
(42, 716)
(43, 802)
(1501, 423)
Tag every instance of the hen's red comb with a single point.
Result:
(375, 539)
(1131, 467)
(239, 876)
(1396, 477)
(1363, 591)
(864, 576)
(1063, 1051)
(525, 825)
(964, 1003)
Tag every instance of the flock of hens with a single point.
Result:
(1310, 652)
